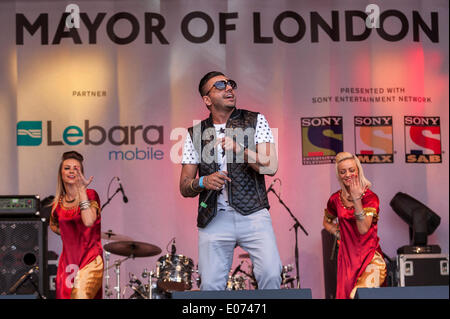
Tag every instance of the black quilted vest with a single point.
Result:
(247, 190)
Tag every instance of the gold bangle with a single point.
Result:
(192, 187)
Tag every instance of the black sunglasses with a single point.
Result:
(222, 85)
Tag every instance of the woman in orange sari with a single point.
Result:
(351, 215)
(76, 218)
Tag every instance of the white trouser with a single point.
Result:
(253, 233)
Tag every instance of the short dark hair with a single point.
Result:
(206, 78)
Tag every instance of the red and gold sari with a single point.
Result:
(80, 267)
(360, 259)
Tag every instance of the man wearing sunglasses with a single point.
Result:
(232, 150)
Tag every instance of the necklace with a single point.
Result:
(68, 211)
(341, 199)
(69, 201)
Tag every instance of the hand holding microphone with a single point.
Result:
(214, 183)
(216, 180)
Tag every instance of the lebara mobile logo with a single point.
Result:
(373, 139)
(423, 139)
(322, 139)
(29, 133)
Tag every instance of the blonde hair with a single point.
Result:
(60, 189)
(342, 156)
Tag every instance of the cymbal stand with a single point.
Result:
(149, 275)
(108, 293)
(117, 264)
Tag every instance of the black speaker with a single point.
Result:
(52, 270)
(418, 292)
(245, 294)
(23, 247)
(329, 253)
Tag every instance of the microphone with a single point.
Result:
(271, 185)
(238, 268)
(174, 248)
(210, 192)
(22, 279)
(125, 198)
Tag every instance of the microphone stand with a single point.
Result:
(295, 226)
(36, 288)
(109, 199)
(107, 292)
(22, 280)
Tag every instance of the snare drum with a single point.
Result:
(174, 272)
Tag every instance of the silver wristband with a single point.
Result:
(85, 204)
(360, 216)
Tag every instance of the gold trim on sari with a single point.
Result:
(370, 211)
(373, 276)
(94, 204)
(329, 216)
(88, 280)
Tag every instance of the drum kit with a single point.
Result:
(172, 273)
(246, 279)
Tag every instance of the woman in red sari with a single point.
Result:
(351, 215)
(76, 217)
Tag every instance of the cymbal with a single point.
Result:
(132, 249)
(244, 256)
(110, 235)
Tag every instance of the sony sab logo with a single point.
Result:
(373, 139)
(29, 133)
(322, 139)
(423, 139)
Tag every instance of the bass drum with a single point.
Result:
(174, 273)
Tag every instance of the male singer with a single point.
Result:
(232, 150)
